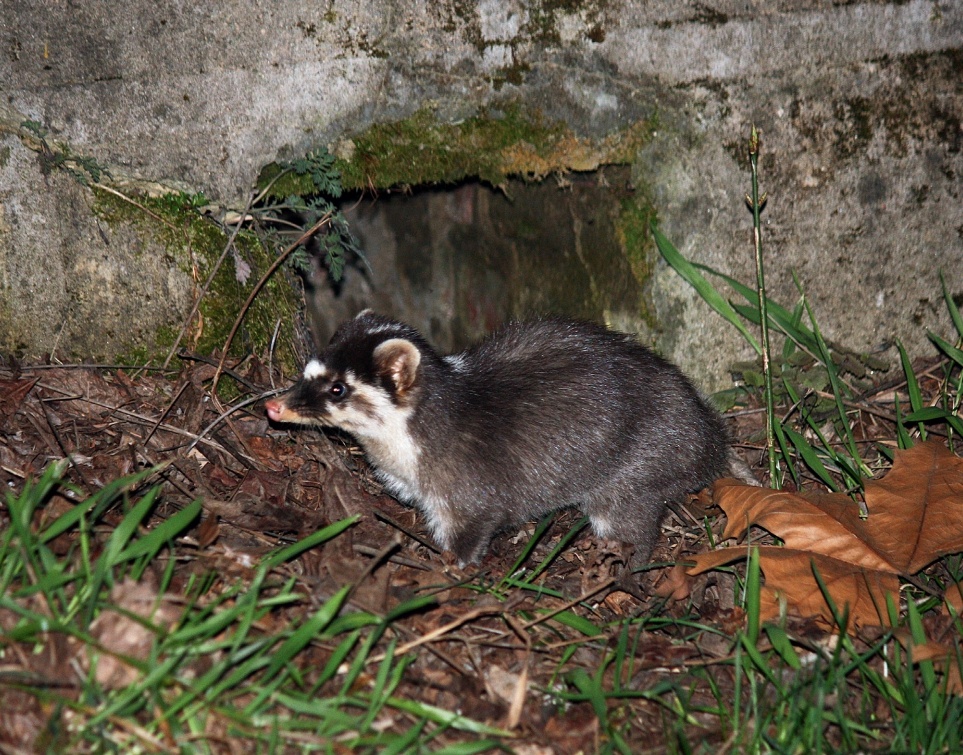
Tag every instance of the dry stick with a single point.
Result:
(208, 282)
(224, 415)
(326, 218)
(373, 564)
(133, 416)
(521, 686)
(138, 205)
(166, 411)
(598, 588)
(186, 355)
(756, 205)
(217, 265)
(436, 633)
(89, 366)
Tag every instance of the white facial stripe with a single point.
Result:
(382, 428)
(314, 369)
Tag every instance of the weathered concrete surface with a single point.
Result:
(860, 107)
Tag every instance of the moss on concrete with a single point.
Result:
(192, 244)
(492, 146)
(632, 227)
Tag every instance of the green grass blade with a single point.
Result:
(337, 657)
(935, 414)
(559, 547)
(471, 748)
(753, 590)
(810, 457)
(859, 470)
(576, 622)
(446, 717)
(125, 531)
(150, 544)
(757, 658)
(705, 289)
(947, 348)
(787, 457)
(954, 311)
(912, 387)
(543, 524)
(385, 682)
(413, 605)
(783, 646)
(902, 437)
(789, 323)
(592, 691)
(98, 502)
(307, 631)
(287, 553)
(405, 742)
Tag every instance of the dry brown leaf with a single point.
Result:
(826, 524)
(129, 631)
(917, 509)
(790, 577)
(943, 657)
(12, 394)
(676, 584)
(915, 514)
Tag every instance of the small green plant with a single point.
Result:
(85, 170)
(303, 202)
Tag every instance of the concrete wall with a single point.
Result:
(860, 106)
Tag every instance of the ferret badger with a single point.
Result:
(541, 415)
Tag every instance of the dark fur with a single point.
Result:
(539, 416)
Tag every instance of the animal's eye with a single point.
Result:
(338, 390)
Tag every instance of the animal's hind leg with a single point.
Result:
(633, 516)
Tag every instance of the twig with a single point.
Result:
(257, 288)
(140, 418)
(223, 415)
(756, 205)
(440, 631)
(207, 283)
(183, 354)
(88, 366)
(139, 206)
(604, 585)
(170, 405)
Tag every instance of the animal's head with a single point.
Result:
(367, 375)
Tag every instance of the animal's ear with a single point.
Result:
(397, 359)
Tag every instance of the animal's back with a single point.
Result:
(552, 413)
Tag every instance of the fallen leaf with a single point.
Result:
(915, 517)
(128, 631)
(917, 509)
(677, 584)
(790, 577)
(827, 524)
(915, 514)
(12, 394)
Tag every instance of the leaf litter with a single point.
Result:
(502, 648)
